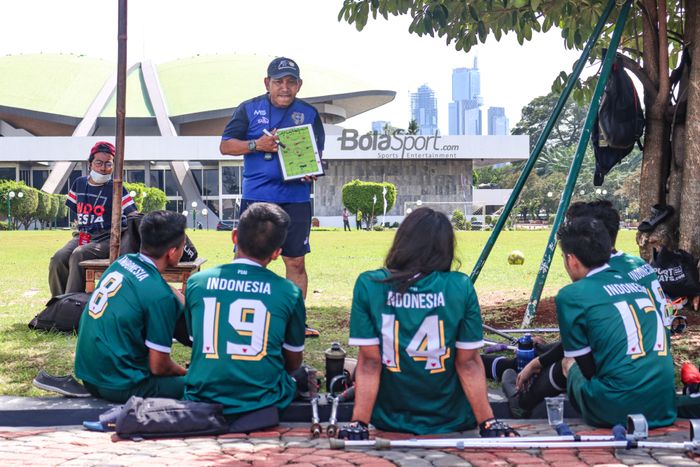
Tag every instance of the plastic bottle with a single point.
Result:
(335, 361)
(525, 352)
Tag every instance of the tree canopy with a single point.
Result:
(658, 40)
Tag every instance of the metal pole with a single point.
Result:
(576, 165)
(573, 78)
(115, 238)
(9, 214)
(510, 443)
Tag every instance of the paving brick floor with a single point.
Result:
(290, 445)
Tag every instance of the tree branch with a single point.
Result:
(663, 97)
(639, 72)
(677, 73)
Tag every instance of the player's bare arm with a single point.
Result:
(161, 364)
(471, 374)
(367, 375)
(292, 360)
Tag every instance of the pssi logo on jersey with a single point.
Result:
(297, 118)
(89, 214)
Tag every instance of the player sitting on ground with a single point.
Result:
(531, 390)
(127, 329)
(613, 329)
(247, 323)
(418, 326)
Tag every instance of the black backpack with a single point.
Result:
(619, 123)
(156, 417)
(131, 239)
(62, 313)
(677, 271)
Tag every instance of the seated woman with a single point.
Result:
(418, 326)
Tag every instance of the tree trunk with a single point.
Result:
(689, 238)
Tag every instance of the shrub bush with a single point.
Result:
(359, 195)
(459, 221)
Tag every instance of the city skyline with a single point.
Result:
(497, 121)
(424, 110)
(311, 35)
(464, 112)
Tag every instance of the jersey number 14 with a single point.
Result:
(427, 344)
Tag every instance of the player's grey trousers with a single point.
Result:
(65, 273)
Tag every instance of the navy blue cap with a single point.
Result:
(281, 67)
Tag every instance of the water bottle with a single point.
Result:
(335, 361)
(525, 351)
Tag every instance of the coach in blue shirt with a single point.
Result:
(262, 176)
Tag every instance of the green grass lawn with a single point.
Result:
(337, 258)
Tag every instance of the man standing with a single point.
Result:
(248, 134)
(613, 329)
(90, 198)
(126, 331)
(247, 323)
(346, 220)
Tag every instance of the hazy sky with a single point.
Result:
(384, 54)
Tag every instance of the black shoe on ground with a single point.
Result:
(65, 385)
(508, 384)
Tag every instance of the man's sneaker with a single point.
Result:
(65, 385)
(508, 384)
(311, 332)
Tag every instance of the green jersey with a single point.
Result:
(614, 318)
(131, 311)
(642, 273)
(240, 316)
(418, 333)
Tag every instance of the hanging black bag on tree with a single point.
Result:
(619, 124)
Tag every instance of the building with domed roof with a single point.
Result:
(54, 107)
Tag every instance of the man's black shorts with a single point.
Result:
(297, 242)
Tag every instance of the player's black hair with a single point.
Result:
(587, 239)
(161, 231)
(262, 229)
(600, 209)
(425, 242)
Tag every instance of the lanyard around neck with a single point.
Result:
(269, 111)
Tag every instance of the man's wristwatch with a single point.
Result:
(252, 145)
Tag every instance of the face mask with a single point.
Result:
(100, 178)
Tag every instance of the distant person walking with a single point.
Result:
(346, 220)
(358, 220)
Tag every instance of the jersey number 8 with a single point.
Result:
(109, 285)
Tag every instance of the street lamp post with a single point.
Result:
(10, 195)
(194, 214)
(205, 213)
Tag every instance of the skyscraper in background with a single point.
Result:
(498, 122)
(464, 110)
(379, 125)
(424, 110)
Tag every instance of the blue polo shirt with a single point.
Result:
(262, 179)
